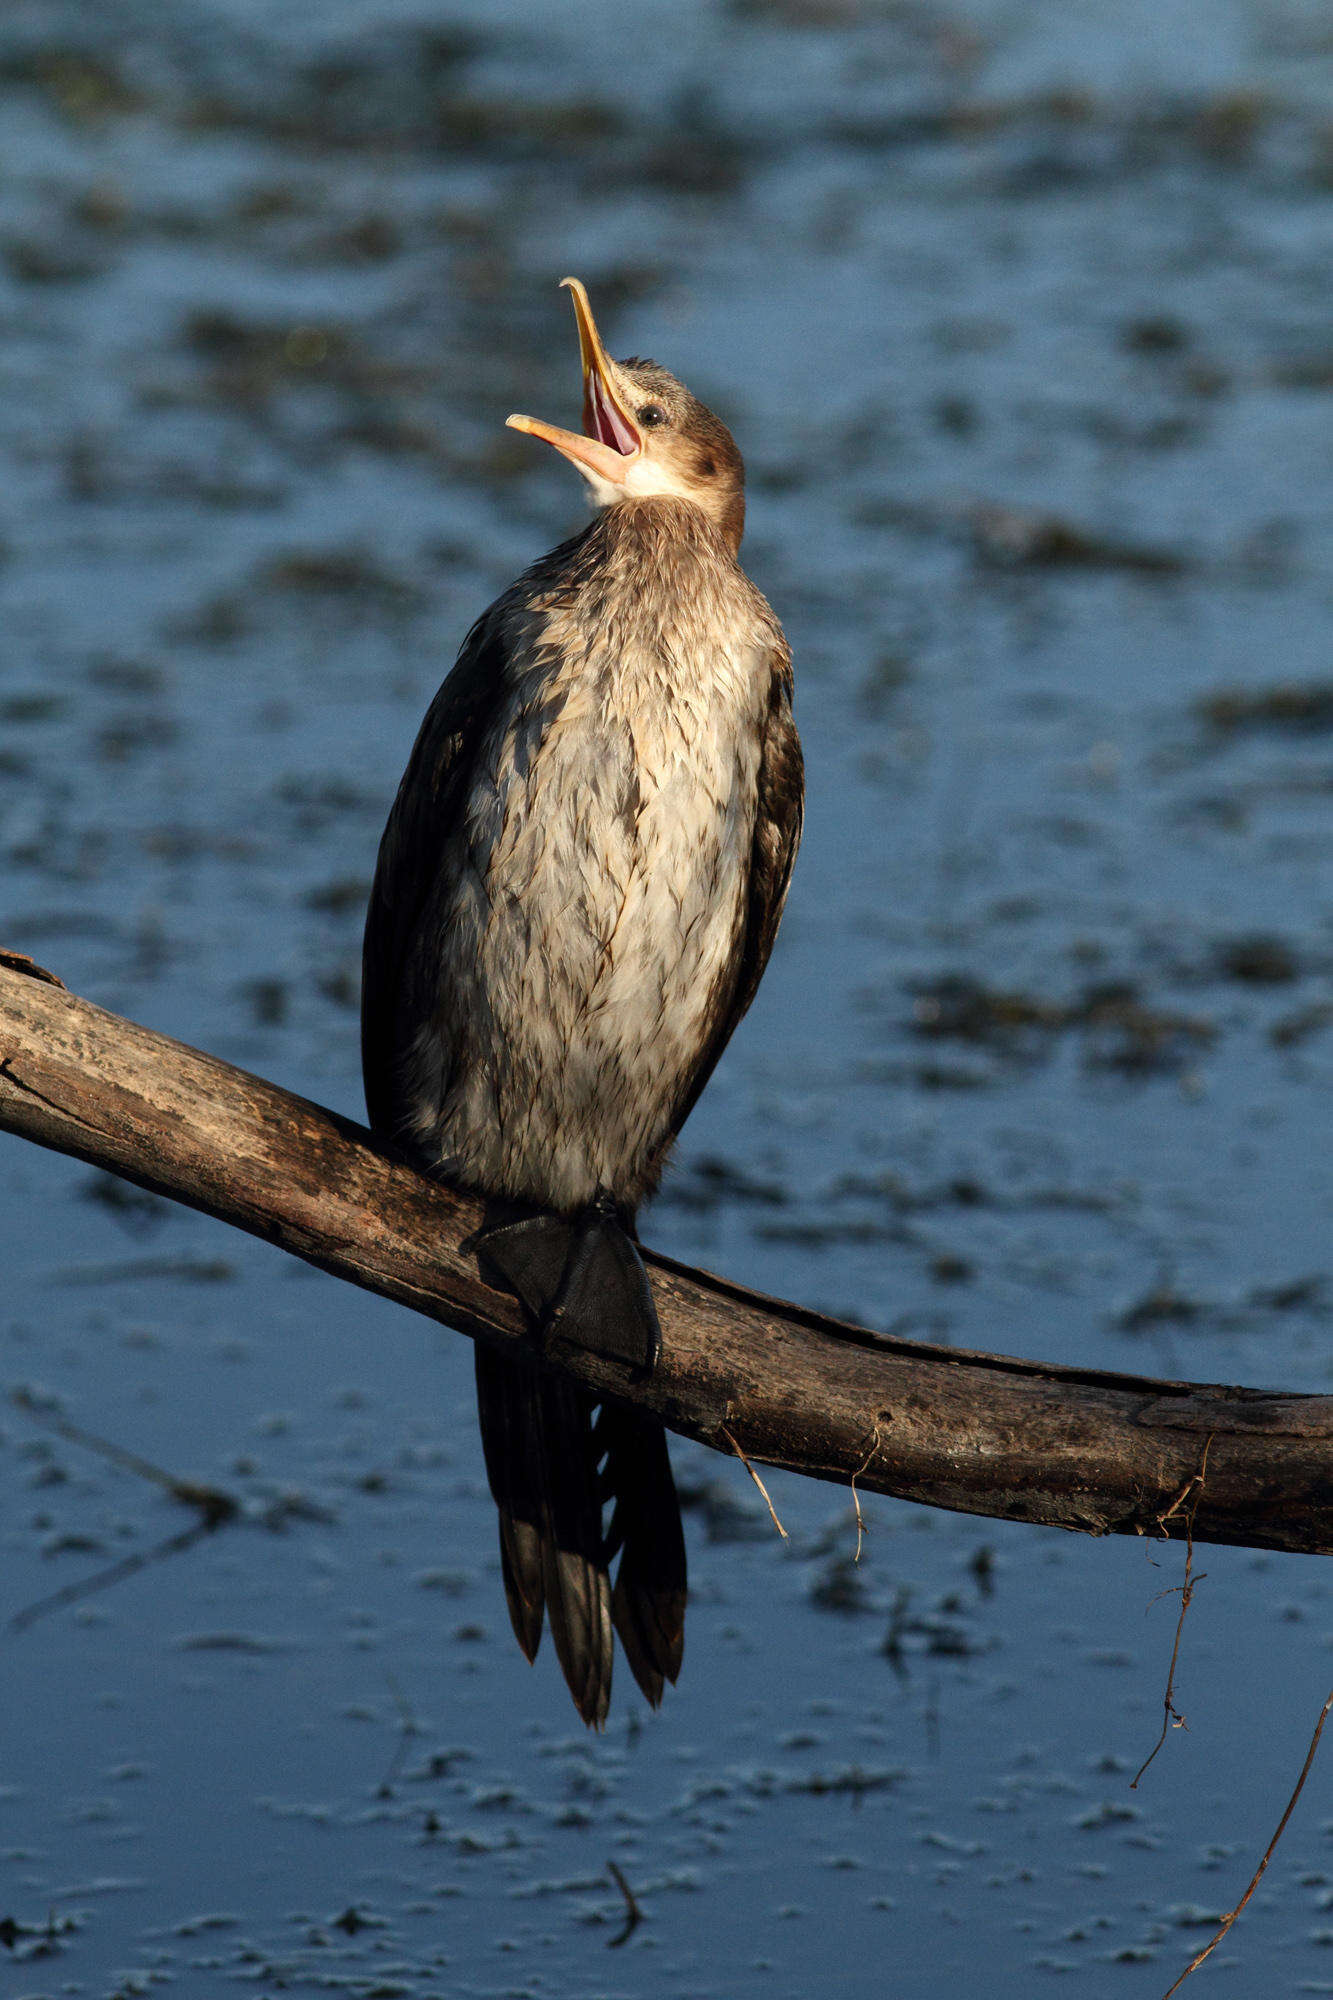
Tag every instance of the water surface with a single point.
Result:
(1020, 313)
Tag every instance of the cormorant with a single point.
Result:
(577, 892)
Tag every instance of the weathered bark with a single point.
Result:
(983, 1434)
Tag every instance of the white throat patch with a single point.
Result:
(643, 480)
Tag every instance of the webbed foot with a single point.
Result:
(582, 1280)
(530, 1255)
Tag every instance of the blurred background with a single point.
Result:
(1019, 310)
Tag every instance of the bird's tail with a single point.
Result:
(555, 1462)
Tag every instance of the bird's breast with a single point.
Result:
(600, 875)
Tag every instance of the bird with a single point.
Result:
(576, 893)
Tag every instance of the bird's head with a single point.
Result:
(645, 436)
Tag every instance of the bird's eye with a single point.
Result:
(651, 415)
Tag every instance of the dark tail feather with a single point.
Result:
(541, 1462)
(543, 1451)
(648, 1602)
(510, 1447)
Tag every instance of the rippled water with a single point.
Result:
(1020, 313)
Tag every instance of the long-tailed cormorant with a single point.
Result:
(577, 892)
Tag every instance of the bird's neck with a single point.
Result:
(651, 594)
(662, 533)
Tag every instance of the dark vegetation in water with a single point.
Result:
(1012, 539)
(1119, 1031)
(1286, 707)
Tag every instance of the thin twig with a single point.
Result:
(214, 1508)
(406, 1733)
(11, 1930)
(861, 1530)
(102, 1579)
(1194, 1485)
(1231, 1915)
(633, 1913)
(1170, 1713)
(215, 1505)
(773, 1513)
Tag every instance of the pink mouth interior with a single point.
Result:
(608, 426)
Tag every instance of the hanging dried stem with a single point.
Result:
(862, 1468)
(772, 1510)
(1170, 1713)
(1231, 1915)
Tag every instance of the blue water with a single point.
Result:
(1020, 314)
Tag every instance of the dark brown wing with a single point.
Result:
(400, 975)
(777, 835)
(426, 810)
(537, 1429)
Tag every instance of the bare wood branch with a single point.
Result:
(978, 1433)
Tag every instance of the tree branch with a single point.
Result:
(981, 1434)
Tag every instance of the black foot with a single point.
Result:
(530, 1255)
(582, 1280)
(605, 1301)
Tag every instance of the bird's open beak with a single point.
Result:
(611, 436)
